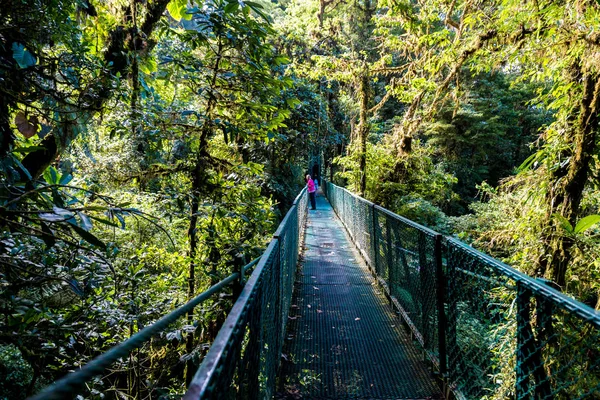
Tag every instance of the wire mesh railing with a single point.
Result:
(243, 360)
(491, 331)
(249, 342)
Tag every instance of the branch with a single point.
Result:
(448, 20)
(385, 98)
(481, 39)
(391, 70)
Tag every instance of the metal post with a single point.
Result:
(424, 285)
(523, 339)
(278, 265)
(441, 303)
(390, 248)
(545, 337)
(375, 240)
(452, 315)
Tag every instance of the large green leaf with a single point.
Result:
(586, 223)
(88, 237)
(178, 9)
(23, 57)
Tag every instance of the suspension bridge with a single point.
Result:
(352, 301)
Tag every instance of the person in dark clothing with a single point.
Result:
(311, 192)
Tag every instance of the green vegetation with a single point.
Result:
(149, 149)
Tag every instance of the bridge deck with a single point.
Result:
(344, 339)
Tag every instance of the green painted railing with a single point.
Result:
(243, 359)
(491, 331)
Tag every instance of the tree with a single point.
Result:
(546, 43)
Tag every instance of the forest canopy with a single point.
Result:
(150, 148)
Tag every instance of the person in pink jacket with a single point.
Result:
(311, 192)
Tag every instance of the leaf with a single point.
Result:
(75, 286)
(257, 8)
(85, 221)
(53, 176)
(564, 222)
(586, 223)
(51, 217)
(66, 178)
(178, 9)
(48, 236)
(104, 221)
(529, 161)
(232, 7)
(149, 66)
(27, 127)
(23, 57)
(62, 212)
(121, 220)
(22, 167)
(88, 237)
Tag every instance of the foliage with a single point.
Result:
(412, 186)
(148, 148)
(99, 244)
(509, 224)
(16, 372)
(486, 133)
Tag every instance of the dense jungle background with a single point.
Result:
(150, 147)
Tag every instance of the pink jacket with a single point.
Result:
(311, 186)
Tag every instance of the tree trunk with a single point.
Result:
(198, 178)
(363, 131)
(193, 242)
(565, 197)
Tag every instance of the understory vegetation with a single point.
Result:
(149, 149)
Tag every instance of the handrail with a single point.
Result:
(70, 384)
(582, 310)
(406, 220)
(485, 326)
(226, 337)
(260, 315)
(297, 199)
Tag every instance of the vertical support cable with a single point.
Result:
(453, 366)
(424, 281)
(523, 339)
(389, 257)
(441, 304)
(374, 240)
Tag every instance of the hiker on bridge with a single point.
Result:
(311, 192)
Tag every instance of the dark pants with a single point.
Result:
(313, 201)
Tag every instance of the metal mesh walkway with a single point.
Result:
(343, 339)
